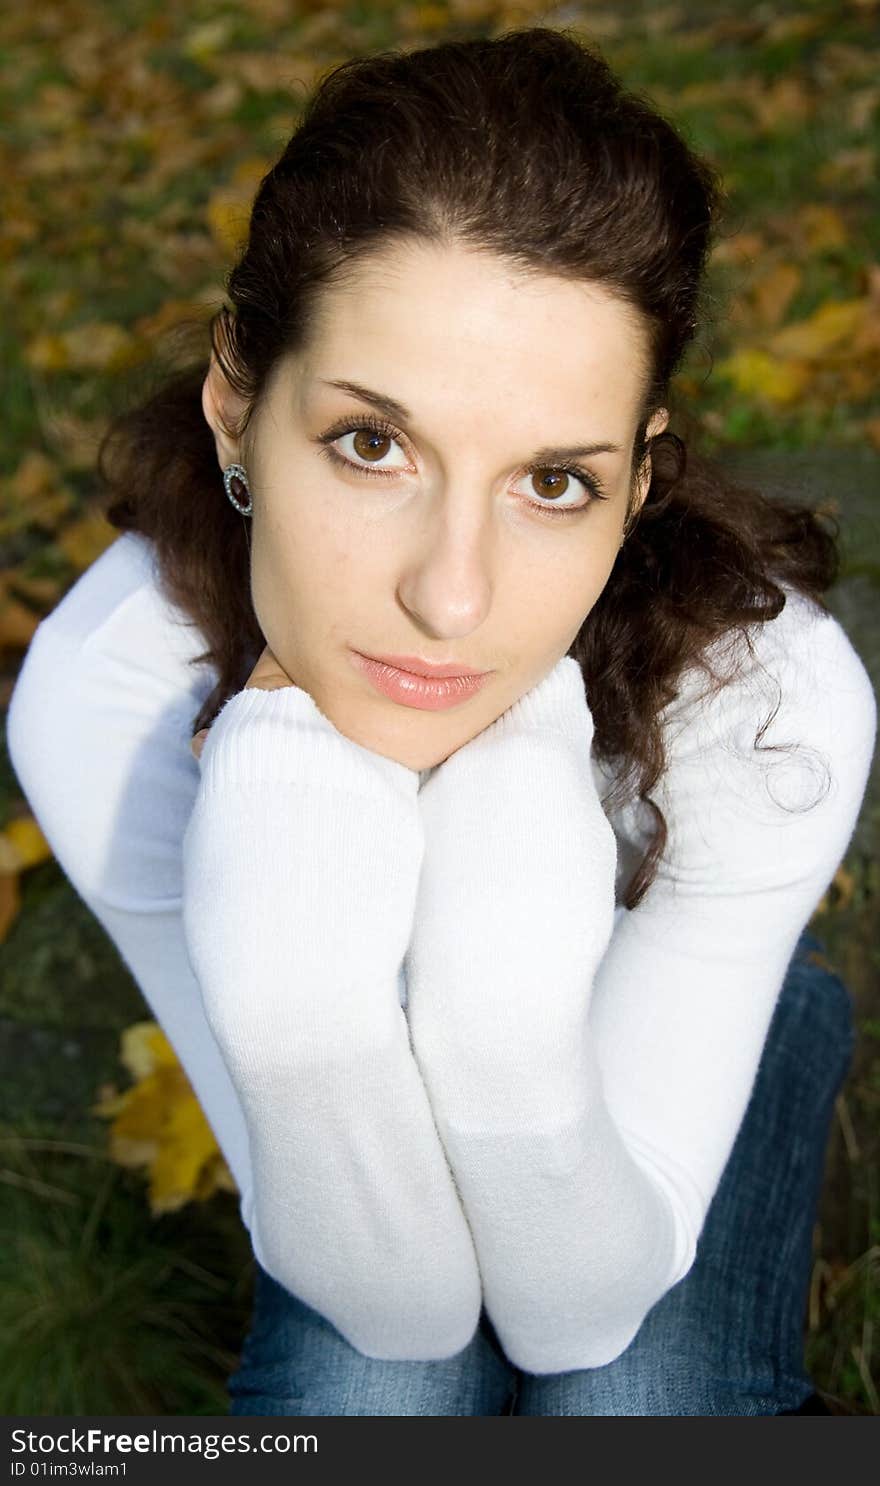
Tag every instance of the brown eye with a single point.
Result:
(370, 445)
(547, 483)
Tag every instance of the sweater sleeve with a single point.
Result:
(300, 865)
(583, 1218)
(758, 825)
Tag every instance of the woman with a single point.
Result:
(495, 989)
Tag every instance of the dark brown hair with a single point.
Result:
(525, 145)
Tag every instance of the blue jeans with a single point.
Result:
(727, 1339)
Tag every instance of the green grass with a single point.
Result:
(104, 1310)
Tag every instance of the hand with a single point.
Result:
(267, 675)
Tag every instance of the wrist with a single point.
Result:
(280, 736)
(556, 704)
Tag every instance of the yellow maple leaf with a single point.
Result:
(187, 1145)
(144, 1048)
(159, 1124)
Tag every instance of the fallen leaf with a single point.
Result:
(17, 623)
(35, 473)
(786, 101)
(854, 168)
(10, 902)
(23, 840)
(187, 1145)
(47, 353)
(158, 1123)
(96, 346)
(860, 108)
(83, 541)
(740, 247)
(204, 41)
(833, 322)
(773, 291)
(144, 1048)
(759, 373)
(77, 440)
(102, 346)
(822, 227)
(785, 27)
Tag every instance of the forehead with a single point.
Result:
(452, 328)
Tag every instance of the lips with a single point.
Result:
(417, 667)
(409, 689)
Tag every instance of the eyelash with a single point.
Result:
(380, 425)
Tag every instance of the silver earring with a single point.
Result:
(236, 481)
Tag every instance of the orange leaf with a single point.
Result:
(10, 902)
(17, 623)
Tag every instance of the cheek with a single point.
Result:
(579, 582)
(311, 573)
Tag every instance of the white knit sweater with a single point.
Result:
(445, 1065)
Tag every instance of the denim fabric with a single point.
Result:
(727, 1339)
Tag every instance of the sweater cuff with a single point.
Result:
(282, 737)
(558, 703)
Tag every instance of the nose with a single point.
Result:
(447, 582)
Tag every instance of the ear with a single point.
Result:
(222, 406)
(656, 425)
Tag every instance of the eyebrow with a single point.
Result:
(550, 454)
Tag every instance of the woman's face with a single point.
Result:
(446, 551)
